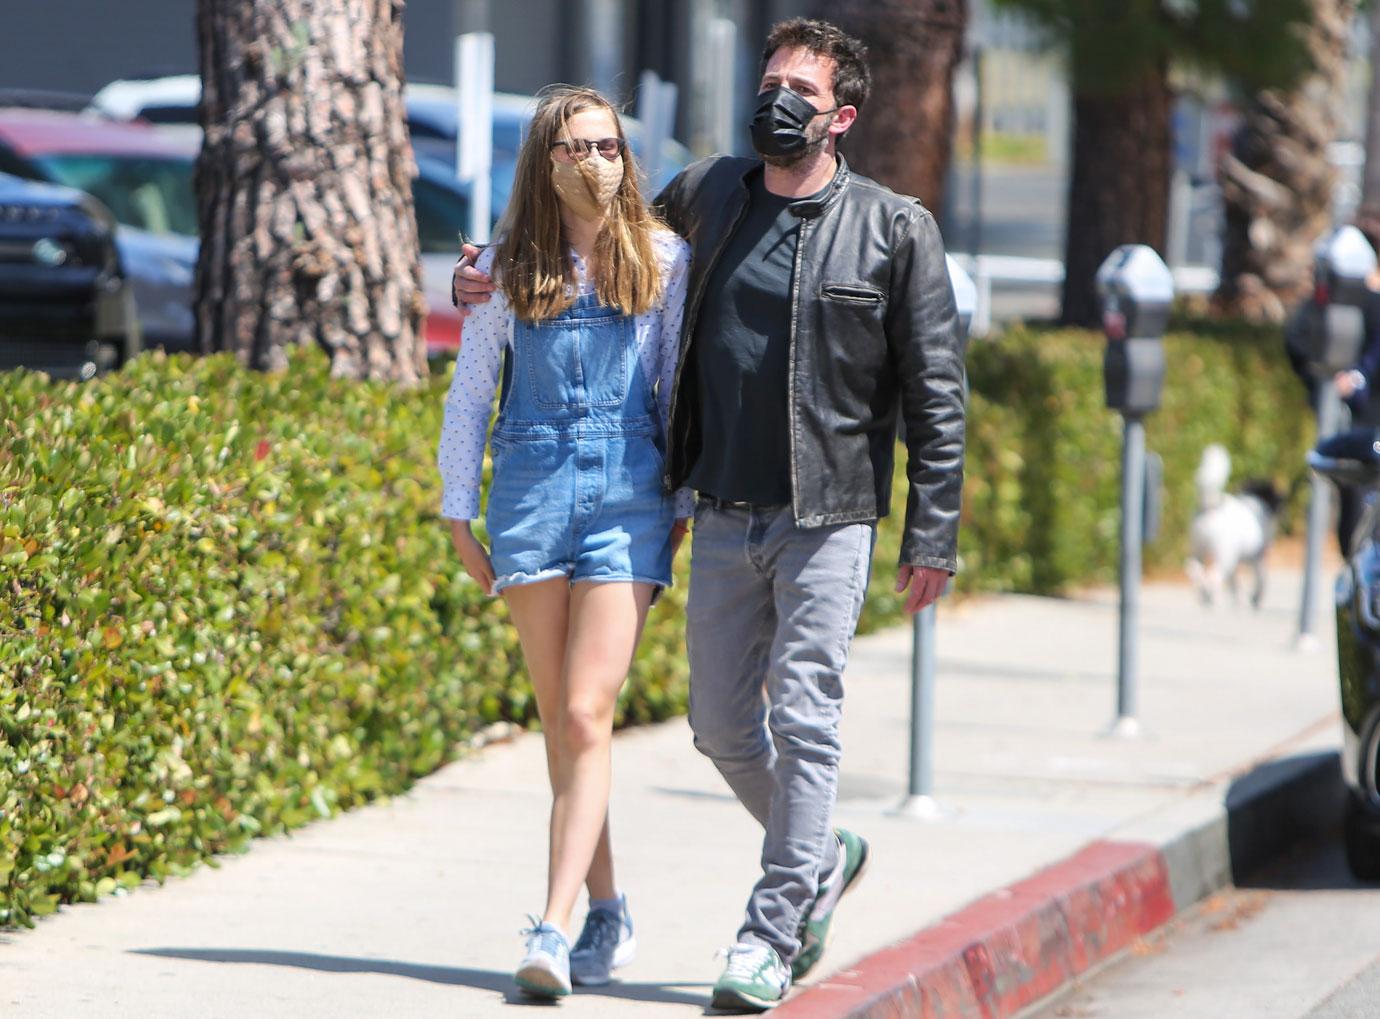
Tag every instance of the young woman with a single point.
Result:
(584, 330)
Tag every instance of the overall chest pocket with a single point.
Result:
(579, 363)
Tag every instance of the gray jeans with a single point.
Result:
(772, 608)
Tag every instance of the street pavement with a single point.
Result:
(1301, 939)
(412, 907)
(1022, 209)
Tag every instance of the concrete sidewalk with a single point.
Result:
(412, 907)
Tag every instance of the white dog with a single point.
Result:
(1229, 531)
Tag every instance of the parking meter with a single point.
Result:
(965, 300)
(1332, 330)
(1329, 332)
(965, 293)
(1137, 293)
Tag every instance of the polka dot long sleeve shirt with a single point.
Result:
(488, 331)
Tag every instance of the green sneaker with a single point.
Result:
(814, 933)
(754, 980)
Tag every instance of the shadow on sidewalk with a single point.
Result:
(1278, 805)
(480, 979)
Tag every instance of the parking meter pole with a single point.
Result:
(1319, 514)
(919, 801)
(922, 674)
(1132, 507)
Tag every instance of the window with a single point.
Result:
(443, 214)
(146, 192)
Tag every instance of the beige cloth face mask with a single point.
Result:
(587, 188)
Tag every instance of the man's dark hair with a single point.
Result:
(852, 79)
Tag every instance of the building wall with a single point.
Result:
(80, 45)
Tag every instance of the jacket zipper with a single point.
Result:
(791, 361)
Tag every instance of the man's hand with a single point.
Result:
(1347, 383)
(925, 582)
(468, 285)
(472, 555)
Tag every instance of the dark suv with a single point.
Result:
(1353, 458)
(65, 306)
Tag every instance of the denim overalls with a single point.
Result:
(577, 456)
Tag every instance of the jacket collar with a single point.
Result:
(809, 208)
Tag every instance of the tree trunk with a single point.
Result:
(1277, 183)
(904, 136)
(1370, 182)
(305, 187)
(1119, 187)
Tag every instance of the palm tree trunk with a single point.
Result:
(1370, 182)
(1119, 185)
(904, 137)
(305, 187)
(1277, 183)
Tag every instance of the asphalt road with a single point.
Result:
(1023, 214)
(1022, 211)
(1302, 940)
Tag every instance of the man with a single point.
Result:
(1356, 387)
(818, 303)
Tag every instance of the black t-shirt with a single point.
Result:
(741, 354)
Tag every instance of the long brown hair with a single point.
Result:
(533, 265)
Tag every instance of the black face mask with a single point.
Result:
(779, 125)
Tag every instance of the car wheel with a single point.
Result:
(1362, 837)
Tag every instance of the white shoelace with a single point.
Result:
(547, 939)
(743, 960)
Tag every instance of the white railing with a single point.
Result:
(998, 270)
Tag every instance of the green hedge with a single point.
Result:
(1042, 491)
(1042, 503)
(230, 606)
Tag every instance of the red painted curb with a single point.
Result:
(1007, 949)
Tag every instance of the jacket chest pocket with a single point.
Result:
(853, 293)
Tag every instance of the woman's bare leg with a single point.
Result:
(606, 621)
(541, 612)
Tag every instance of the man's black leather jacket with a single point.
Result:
(873, 327)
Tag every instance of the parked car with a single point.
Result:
(145, 175)
(432, 121)
(144, 180)
(1353, 458)
(66, 307)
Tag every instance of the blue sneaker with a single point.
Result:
(545, 969)
(605, 943)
